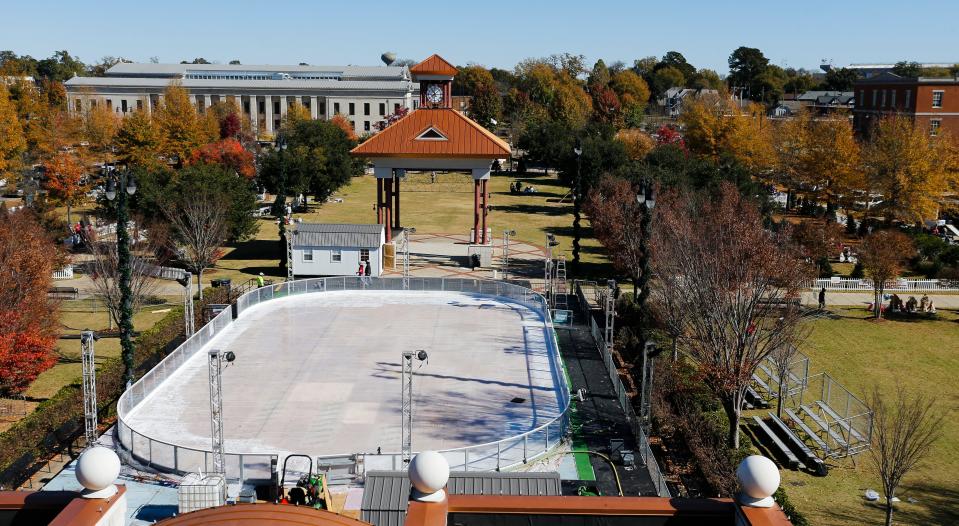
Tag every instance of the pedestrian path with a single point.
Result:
(862, 299)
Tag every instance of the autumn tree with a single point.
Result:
(228, 153)
(344, 124)
(66, 180)
(100, 126)
(637, 143)
(715, 128)
(181, 130)
(735, 280)
(912, 170)
(816, 240)
(616, 216)
(28, 320)
(883, 254)
(12, 141)
(634, 95)
(138, 142)
(485, 103)
(904, 431)
(199, 225)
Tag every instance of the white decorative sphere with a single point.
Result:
(98, 468)
(758, 476)
(429, 472)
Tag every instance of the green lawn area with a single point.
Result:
(923, 356)
(75, 316)
(447, 210)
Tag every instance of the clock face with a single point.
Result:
(434, 93)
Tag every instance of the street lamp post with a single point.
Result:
(120, 185)
(577, 205)
(650, 351)
(279, 204)
(407, 409)
(647, 199)
(506, 235)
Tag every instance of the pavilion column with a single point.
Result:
(396, 200)
(379, 201)
(485, 190)
(388, 213)
(476, 211)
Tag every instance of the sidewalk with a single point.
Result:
(861, 299)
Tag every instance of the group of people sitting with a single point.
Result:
(518, 188)
(911, 305)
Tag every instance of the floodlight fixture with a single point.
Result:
(185, 279)
(421, 355)
(111, 189)
(229, 356)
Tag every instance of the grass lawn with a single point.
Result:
(75, 316)
(449, 209)
(922, 356)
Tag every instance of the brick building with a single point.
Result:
(930, 102)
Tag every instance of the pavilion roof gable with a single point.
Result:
(434, 133)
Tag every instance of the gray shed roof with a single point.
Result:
(386, 495)
(337, 235)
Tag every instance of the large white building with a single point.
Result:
(363, 94)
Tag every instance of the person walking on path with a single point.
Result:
(822, 298)
(259, 280)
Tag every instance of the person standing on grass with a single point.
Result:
(822, 298)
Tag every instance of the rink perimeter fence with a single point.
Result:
(256, 466)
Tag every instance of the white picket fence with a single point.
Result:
(896, 285)
(64, 273)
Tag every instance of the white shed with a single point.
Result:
(327, 249)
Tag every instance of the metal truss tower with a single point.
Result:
(407, 410)
(87, 339)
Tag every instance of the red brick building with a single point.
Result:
(930, 102)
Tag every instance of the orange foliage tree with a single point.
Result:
(28, 321)
(65, 180)
(229, 153)
(344, 124)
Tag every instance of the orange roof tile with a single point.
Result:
(435, 65)
(464, 138)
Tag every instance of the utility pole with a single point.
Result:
(87, 338)
(218, 361)
(407, 410)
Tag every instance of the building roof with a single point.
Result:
(386, 495)
(178, 70)
(161, 83)
(338, 235)
(891, 78)
(434, 65)
(434, 133)
(262, 514)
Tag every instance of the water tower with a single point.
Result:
(388, 58)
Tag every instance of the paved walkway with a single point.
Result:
(600, 415)
(862, 299)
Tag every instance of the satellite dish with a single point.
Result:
(388, 58)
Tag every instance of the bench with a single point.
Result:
(754, 399)
(781, 303)
(805, 429)
(792, 462)
(840, 440)
(813, 462)
(839, 420)
(64, 292)
(761, 383)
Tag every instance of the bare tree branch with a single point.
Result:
(105, 272)
(199, 227)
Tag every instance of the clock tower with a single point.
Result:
(435, 76)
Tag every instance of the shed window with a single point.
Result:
(336, 256)
(308, 255)
(365, 255)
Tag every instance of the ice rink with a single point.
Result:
(320, 374)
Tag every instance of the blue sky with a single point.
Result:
(491, 32)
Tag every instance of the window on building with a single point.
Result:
(875, 95)
(396, 107)
(336, 108)
(322, 108)
(366, 108)
(366, 125)
(109, 104)
(78, 104)
(892, 102)
(336, 256)
(365, 255)
(276, 107)
(262, 108)
(937, 99)
(308, 255)
(908, 102)
(123, 105)
(246, 107)
(416, 104)
(139, 104)
(884, 97)
(382, 108)
(934, 125)
(862, 97)
(93, 103)
(352, 109)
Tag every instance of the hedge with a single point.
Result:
(58, 421)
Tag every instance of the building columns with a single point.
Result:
(485, 189)
(207, 102)
(314, 107)
(379, 201)
(268, 106)
(284, 101)
(396, 199)
(388, 212)
(476, 211)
